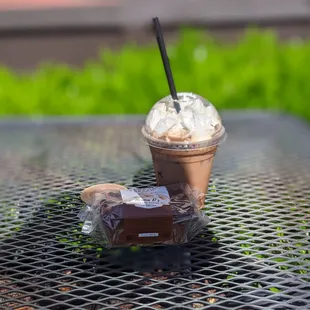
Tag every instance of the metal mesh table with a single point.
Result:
(255, 254)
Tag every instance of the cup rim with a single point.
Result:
(216, 140)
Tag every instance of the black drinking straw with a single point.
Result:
(166, 63)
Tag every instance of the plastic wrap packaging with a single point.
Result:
(143, 217)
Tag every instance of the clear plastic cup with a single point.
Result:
(183, 152)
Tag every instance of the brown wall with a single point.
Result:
(74, 35)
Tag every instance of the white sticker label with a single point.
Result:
(148, 235)
(152, 197)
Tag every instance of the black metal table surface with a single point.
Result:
(255, 253)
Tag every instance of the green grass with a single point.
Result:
(259, 71)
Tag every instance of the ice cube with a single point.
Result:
(164, 125)
(186, 116)
(200, 128)
(211, 116)
(155, 115)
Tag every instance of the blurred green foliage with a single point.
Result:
(258, 71)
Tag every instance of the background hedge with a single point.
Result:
(259, 71)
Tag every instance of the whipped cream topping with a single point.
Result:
(197, 120)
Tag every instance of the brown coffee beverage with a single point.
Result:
(191, 167)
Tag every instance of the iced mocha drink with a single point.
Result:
(183, 142)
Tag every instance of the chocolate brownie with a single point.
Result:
(125, 224)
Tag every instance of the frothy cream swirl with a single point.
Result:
(197, 120)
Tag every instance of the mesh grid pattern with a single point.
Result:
(255, 253)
